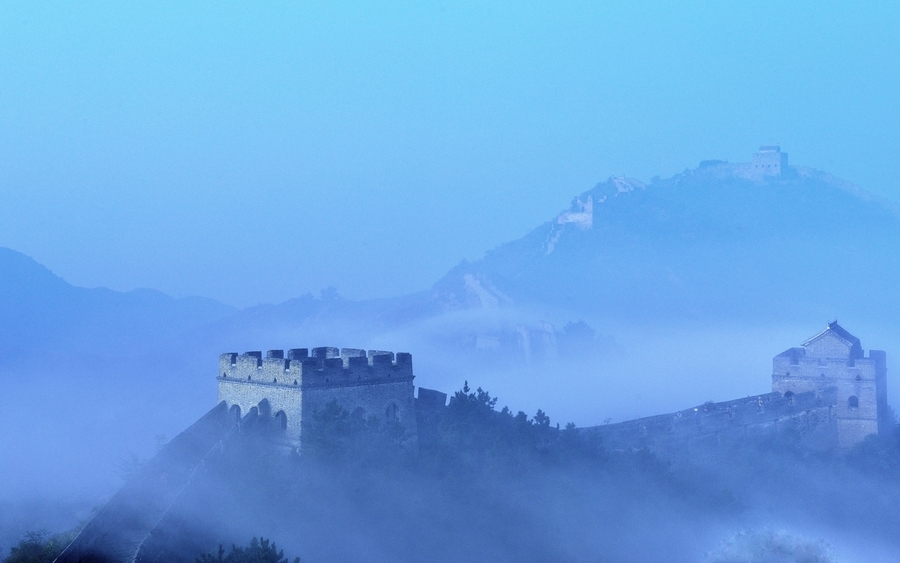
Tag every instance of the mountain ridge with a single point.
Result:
(639, 232)
(40, 311)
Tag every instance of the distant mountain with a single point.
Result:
(40, 312)
(706, 243)
(711, 245)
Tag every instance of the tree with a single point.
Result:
(39, 547)
(577, 338)
(335, 435)
(260, 550)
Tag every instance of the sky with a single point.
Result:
(254, 152)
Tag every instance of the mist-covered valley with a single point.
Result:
(449, 281)
(104, 379)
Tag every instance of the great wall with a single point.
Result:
(827, 393)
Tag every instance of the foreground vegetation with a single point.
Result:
(260, 550)
(39, 547)
(518, 488)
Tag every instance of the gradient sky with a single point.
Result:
(252, 152)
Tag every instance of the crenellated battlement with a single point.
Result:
(324, 366)
(297, 382)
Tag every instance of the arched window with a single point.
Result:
(235, 411)
(788, 394)
(281, 420)
(853, 402)
(392, 412)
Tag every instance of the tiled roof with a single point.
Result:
(837, 330)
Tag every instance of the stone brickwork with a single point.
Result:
(834, 359)
(825, 394)
(808, 418)
(294, 385)
(121, 528)
(828, 393)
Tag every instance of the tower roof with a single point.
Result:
(834, 329)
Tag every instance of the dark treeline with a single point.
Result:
(480, 483)
(39, 547)
(260, 550)
(470, 436)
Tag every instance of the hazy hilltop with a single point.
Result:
(704, 244)
(41, 312)
(709, 243)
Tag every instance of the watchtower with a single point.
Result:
(833, 360)
(292, 386)
(769, 161)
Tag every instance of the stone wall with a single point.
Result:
(283, 400)
(769, 161)
(835, 359)
(807, 418)
(298, 383)
(384, 400)
(121, 527)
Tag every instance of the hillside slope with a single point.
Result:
(703, 244)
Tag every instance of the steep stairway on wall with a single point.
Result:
(118, 531)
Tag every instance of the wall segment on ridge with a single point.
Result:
(808, 417)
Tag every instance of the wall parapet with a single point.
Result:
(319, 367)
(728, 420)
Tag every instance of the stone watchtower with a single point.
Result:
(834, 366)
(378, 384)
(769, 161)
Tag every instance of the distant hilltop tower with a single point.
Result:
(834, 366)
(769, 161)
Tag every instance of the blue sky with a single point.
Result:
(253, 152)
